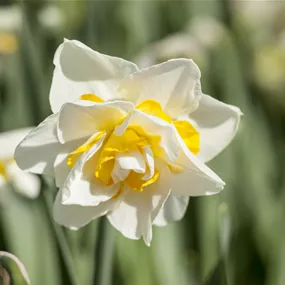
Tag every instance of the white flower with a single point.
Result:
(122, 141)
(25, 183)
(11, 18)
(51, 18)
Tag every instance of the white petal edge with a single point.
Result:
(196, 179)
(135, 213)
(80, 70)
(149, 159)
(175, 84)
(217, 124)
(76, 216)
(37, 152)
(83, 118)
(173, 210)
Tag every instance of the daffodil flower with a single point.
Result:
(25, 183)
(124, 142)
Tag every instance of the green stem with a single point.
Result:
(67, 262)
(104, 254)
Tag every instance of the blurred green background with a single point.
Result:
(236, 237)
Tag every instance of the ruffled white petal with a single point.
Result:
(196, 179)
(175, 84)
(26, 184)
(81, 187)
(217, 124)
(157, 127)
(134, 216)
(61, 168)
(119, 174)
(10, 140)
(76, 216)
(80, 70)
(82, 118)
(149, 159)
(132, 160)
(37, 152)
(173, 210)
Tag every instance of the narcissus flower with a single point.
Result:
(124, 142)
(25, 183)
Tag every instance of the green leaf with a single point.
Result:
(217, 276)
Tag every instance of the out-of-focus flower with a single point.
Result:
(257, 14)
(123, 141)
(207, 31)
(25, 183)
(10, 24)
(51, 18)
(270, 67)
(10, 18)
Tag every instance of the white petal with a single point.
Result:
(217, 124)
(75, 216)
(134, 216)
(174, 210)
(80, 70)
(119, 174)
(175, 84)
(37, 152)
(26, 184)
(148, 156)
(82, 118)
(196, 179)
(10, 140)
(81, 187)
(61, 168)
(157, 127)
(132, 160)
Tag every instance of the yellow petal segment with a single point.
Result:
(152, 107)
(189, 135)
(135, 181)
(175, 168)
(75, 155)
(91, 97)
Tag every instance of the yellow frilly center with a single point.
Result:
(133, 139)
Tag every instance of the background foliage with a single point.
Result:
(236, 237)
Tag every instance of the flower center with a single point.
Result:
(132, 144)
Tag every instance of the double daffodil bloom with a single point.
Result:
(127, 143)
(25, 183)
